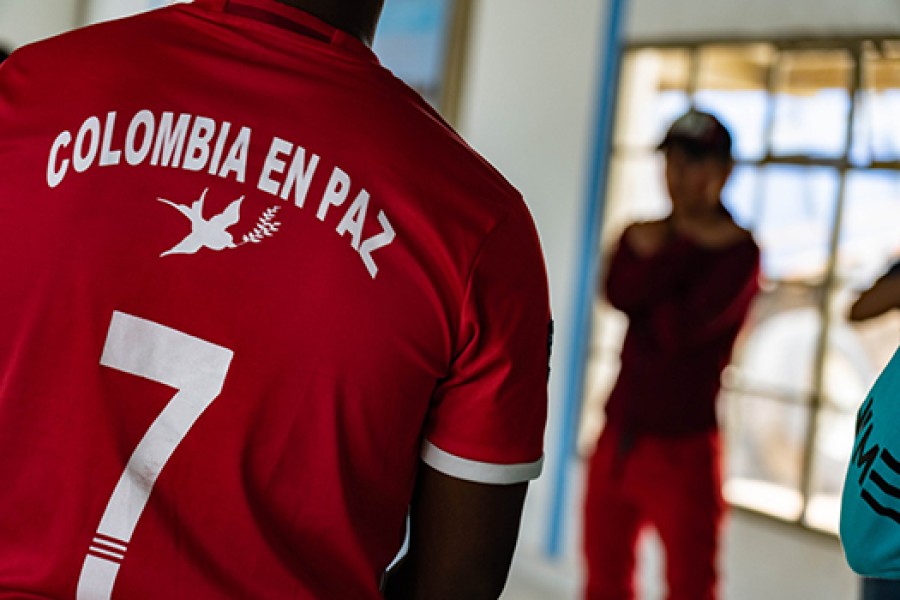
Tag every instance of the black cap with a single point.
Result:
(700, 134)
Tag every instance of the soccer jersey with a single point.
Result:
(247, 280)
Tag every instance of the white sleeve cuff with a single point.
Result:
(479, 472)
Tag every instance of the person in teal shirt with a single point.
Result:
(870, 509)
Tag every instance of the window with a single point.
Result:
(817, 179)
(422, 42)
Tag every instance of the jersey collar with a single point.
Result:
(290, 19)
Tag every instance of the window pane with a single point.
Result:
(776, 353)
(412, 41)
(834, 442)
(742, 196)
(796, 214)
(765, 446)
(812, 104)
(878, 339)
(733, 85)
(869, 242)
(877, 123)
(637, 191)
(653, 94)
(850, 367)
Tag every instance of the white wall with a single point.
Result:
(527, 107)
(679, 19)
(105, 10)
(24, 21)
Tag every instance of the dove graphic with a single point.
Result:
(210, 234)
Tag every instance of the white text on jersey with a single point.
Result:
(201, 144)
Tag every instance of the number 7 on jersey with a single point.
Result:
(197, 369)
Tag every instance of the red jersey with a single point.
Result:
(248, 280)
(685, 305)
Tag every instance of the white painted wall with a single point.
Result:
(680, 19)
(527, 107)
(24, 21)
(105, 10)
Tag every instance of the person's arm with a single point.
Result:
(484, 431)
(877, 300)
(462, 538)
(644, 268)
(711, 305)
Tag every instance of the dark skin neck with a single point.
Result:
(357, 17)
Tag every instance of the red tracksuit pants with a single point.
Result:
(672, 484)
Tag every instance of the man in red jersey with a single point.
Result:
(258, 303)
(685, 283)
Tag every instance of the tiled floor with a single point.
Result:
(762, 560)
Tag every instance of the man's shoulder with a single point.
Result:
(446, 162)
(735, 235)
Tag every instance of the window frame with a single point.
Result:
(816, 402)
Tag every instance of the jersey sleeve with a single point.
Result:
(488, 415)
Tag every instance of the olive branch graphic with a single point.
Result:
(266, 227)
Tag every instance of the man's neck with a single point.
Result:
(356, 17)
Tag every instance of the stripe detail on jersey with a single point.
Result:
(479, 472)
(108, 548)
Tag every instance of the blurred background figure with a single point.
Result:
(686, 283)
(883, 296)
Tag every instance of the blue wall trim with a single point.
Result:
(588, 261)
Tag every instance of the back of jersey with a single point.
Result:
(243, 276)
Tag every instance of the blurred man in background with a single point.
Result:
(686, 283)
(258, 299)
